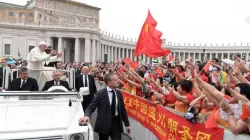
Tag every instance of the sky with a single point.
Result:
(181, 21)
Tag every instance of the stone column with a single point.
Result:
(115, 54)
(118, 53)
(131, 54)
(111, 54)
(228, 55)
(77, 50)
(102, 52)
(148, 60)
(145, 59)
(199, 56)
(174, 56)
(65, 45)
(94, 50)
(127, 54)
(87, 50)
(60, 48)
(98, 50)
(106, 52)
(123, 53)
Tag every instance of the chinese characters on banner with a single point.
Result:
(165, 124)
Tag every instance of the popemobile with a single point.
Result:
(49, 115)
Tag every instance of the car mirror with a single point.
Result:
(84, 91)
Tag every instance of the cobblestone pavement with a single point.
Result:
(92, 121)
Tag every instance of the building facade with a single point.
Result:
(73, 28)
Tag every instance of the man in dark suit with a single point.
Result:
(86, 80)
(4, 64)
(49, 64)
(56, 82)
(24, 83)
(77, 70)
(111, 111)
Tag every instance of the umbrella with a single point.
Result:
(9, 60)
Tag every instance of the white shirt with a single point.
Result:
(58, 83)
(83, 78)
(110, 94)
(146, 74)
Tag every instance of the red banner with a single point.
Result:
(165, 124)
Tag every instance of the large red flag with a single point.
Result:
(150, 42)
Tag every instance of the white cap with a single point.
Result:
(42, 43)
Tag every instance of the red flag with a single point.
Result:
(211, 121)
(134, 65)
(159, 72)
(171, 58)
(245, 112)
(150, 42)
(206, 67)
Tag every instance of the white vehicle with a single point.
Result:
(50, 115)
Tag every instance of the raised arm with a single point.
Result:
(38, 57)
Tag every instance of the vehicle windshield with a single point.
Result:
(38, 95)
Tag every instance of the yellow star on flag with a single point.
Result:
(146, 28)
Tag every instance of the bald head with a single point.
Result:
(85, 70)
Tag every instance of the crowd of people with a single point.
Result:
(214, 88)
(217, 90)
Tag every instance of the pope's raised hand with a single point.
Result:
(59, 55)
(52, 53)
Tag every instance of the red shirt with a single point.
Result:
(204, 77)
(190, 98)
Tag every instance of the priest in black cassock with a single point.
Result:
(50, 64)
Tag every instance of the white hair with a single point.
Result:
(56, 71)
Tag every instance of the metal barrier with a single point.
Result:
(8, 76)
(139, 132)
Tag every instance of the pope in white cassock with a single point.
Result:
(36, 60)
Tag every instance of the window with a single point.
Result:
(11, 14)
(6, 49)
(20, 14)
(40, 15)
(31, 14)
(31, 47)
